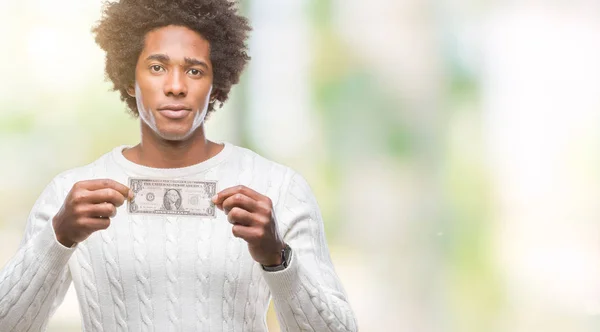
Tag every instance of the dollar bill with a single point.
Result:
(172, 197)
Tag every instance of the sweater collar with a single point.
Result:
(139, 170)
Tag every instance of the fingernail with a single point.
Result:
(130, 195)
(214, 198)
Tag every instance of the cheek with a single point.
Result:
(146, 93)
(144, 98)
(146, 89)
(203, 95)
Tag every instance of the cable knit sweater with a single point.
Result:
(162, 273)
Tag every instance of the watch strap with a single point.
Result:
(286, 256)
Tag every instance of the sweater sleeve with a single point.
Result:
(34, 281)
(308, 295)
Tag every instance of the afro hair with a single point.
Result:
(124, 24)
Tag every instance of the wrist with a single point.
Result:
(65, 241)
(284, 259)
(60, 238)
(274, 260)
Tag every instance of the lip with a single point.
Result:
(174, 114)
(174, 111)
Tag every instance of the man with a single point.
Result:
(172, 200)
(172, 61)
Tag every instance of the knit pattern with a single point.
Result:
(49, 281)
(110, 252)
(252, 299)
(202, 268)
(202, 282)
(89, 286)
(232, 266)
(300, 317)
(331, 314)
(172, 265)
(142, 272)
(159, 273)
(264, 294)
(10, 288)
(60, 288)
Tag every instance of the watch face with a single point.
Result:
(285, 255)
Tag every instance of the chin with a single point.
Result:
(171, 131)
(174, 135)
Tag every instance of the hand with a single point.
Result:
(87, 208)
(254, 221)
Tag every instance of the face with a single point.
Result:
(172, 196)
(173, 82)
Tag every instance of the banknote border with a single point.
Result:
(129, 183)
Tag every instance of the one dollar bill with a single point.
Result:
(172, 197)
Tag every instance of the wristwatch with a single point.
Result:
(286, 257)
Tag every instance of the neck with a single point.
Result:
(156, 152)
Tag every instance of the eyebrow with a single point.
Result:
(188, 61)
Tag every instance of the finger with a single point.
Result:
(243, 232)
(239, 216)
(95, 224)
(105, 195)
(105, 210)
(106, 183)
(238, 200)
(225, 193)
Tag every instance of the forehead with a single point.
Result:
(176, 41)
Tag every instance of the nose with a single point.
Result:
(175, 84)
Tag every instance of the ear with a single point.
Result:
(214, 96)
(130, 91)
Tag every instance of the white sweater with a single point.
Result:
(157, 273)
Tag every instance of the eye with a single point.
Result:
(195, 72)
(156, 68)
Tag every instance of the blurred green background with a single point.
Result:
(453, 145)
